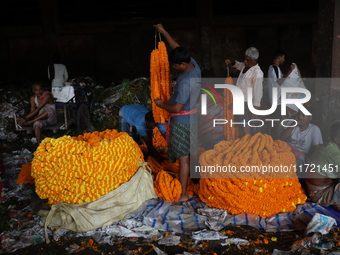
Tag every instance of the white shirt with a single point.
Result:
(272, 83)
(253, 78)
(60, 75)
(304, 140)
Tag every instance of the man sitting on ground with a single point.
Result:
(42, 112)
(323, 176)
(138, 122)
(303, 138)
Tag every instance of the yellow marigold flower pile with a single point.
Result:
(160, 81)
(168, 187)
(25, 174)
(257, 193)
(230, 132)
(81, 169)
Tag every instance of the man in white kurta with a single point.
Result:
(251, 76)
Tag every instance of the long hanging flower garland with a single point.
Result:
(230, 132)
(160, 81)
(263, 194)
(81, 169)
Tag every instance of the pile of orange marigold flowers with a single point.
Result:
(160, 81)
(259, 193)
(81, 169)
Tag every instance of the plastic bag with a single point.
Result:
(294, 80)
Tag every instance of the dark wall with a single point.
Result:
(116, 49)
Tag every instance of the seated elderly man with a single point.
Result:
(323, 176)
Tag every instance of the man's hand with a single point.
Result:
(159, 28)
(229, 61)
(21, 121)
(159, 102)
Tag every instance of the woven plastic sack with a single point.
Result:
(104, 211)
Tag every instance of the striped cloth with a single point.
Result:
(183, 140)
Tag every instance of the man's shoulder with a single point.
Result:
(314, 127)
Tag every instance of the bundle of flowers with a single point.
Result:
(230, 132)
(254, 191)
(168, 187)
(160, 81)
(25, 174)
(81, 169)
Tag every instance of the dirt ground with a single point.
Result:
(260, 242)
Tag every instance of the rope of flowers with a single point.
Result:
(81, 169)
(230, 132)
(160, 81)
(168, 187)
(252, 192)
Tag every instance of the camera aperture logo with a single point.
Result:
(238, 106)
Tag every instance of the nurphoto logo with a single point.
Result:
(238, 105)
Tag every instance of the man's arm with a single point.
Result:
(35, 110)
(24, 119)
(151, 149)
(281, 80)
(171, 108)
(172, 42)
(285, 134)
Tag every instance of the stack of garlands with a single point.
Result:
(160, 81)
(230, 132)
(81, 169)
(262, 193)
(168, 187)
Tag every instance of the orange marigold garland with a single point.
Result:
(25, 174)
(230, 132)
(168, 187)
(263, 194)
(160, 81)
(81, 169)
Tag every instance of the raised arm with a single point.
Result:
(172, 42)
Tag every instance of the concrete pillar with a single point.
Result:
(326, 100)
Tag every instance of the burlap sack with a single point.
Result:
(104, 211)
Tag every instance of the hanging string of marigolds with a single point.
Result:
(160, 81)
(256, 192)
(230, 132)
(81, 169)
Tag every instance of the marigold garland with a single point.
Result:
(168, 187)
(25, 174)
(167, 170)
(81, 169)
(160, 81)
(262, 194)
(230, 132)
